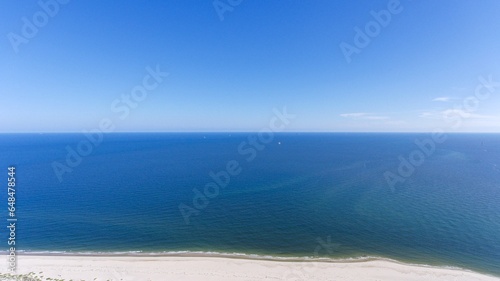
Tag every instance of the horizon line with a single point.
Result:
(253, 132)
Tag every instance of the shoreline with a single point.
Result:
(204, 267)
(235, 255)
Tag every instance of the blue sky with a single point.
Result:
(419, 72)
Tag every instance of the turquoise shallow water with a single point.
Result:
(300, 195)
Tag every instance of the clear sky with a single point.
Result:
(64, 65)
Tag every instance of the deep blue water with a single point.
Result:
(297, 191)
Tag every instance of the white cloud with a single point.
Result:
(443, 99)
(427, 114)
(353, 115)
(376, 117)
(364, 116)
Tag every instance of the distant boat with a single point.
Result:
(482, 146)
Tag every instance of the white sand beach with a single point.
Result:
(160, 268)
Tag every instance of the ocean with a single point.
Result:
(325, 196)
